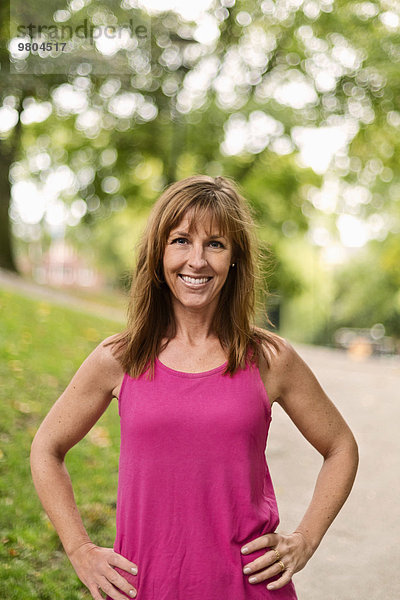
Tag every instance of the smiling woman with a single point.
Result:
(196, 264)
(195, 382)
(199, 227)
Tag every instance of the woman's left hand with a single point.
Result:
(286, 554)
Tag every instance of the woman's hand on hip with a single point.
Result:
(95, 568)
(286, 554)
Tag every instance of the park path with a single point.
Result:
(359, 556)
(14, 282)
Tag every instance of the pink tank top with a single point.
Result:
(194, 485)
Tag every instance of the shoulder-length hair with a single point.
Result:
(150, 314)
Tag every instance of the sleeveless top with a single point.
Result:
(194, 484)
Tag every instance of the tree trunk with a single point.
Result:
(177, 142)
(8, 149)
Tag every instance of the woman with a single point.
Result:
(195, 381)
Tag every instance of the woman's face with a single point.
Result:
(196, 264)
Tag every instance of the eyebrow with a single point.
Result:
(186, 233)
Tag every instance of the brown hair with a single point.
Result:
(150, 314)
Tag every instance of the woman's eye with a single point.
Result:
(183, 241)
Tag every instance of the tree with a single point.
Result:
(231, 93)
(179, 121)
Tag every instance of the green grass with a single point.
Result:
(41, 347)
(112, 298)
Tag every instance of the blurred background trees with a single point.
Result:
(298, 100)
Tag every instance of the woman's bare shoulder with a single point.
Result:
(105, 360)
(278, 350)
(111, 363)
(279, 357)
(107, 355)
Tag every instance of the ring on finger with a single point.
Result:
(283, 568)
(278, 556)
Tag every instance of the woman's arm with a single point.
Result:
(291, 383)
(76, 411)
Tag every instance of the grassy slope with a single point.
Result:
(41, 346)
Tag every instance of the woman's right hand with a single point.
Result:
(94, 567)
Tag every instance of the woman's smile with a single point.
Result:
(194, 281)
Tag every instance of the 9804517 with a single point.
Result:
(44, 46)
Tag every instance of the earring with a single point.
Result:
(233, 264)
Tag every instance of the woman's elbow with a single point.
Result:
(343, 444)
(346, 449)
(43, 449)
(353, 451)
(38, 452)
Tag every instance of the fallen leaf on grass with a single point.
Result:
(99, 436)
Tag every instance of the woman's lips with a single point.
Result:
(194, 281)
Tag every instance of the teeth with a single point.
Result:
(193, 280)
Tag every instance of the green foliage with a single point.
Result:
(41, 346)
(346, 52)
(306, 311)
(367, 289)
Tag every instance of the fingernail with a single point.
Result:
(244, 550)
(132, 593)
(134, 570)
(270, 586)
(252, 579)
(247, 570)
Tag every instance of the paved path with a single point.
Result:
(11, 281)
(359, 558)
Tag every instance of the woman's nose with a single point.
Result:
(197, 257)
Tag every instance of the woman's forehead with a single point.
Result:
(199, 221)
